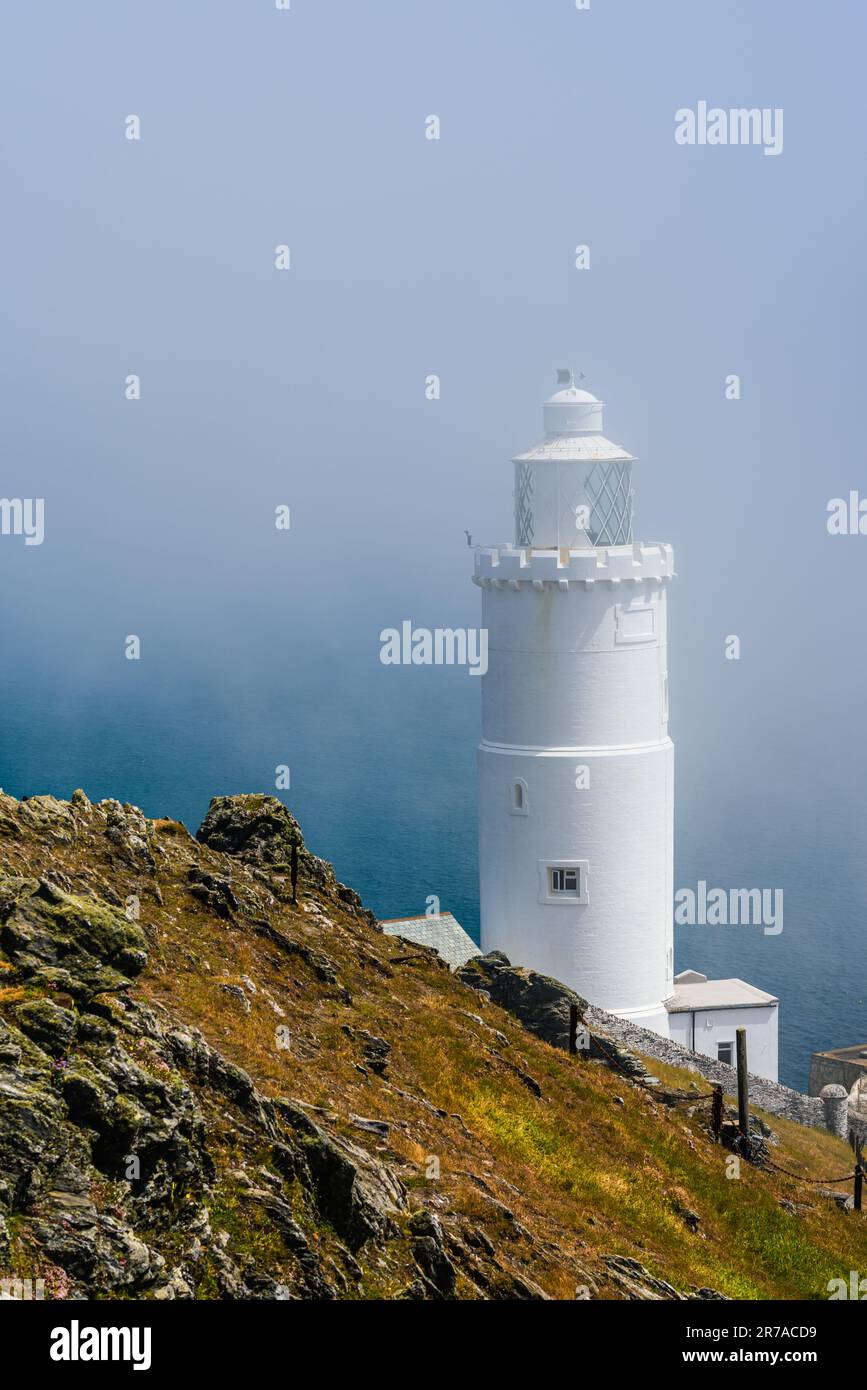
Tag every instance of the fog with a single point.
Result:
(411, 257)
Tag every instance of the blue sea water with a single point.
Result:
(383, 783)
(454, 257)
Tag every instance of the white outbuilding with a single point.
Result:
(576, 810)
(704, 1015)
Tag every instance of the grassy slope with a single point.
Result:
(583, 1175)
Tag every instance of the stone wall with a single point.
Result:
(543, 1005)
(769, 1095)
(833, 1071)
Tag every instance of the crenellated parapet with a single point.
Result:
(512, 566)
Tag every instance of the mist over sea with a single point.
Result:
(383, 783)
(305, 388)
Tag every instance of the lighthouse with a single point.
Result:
(575, 763)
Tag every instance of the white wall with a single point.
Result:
(761, 1025)
(574, 682)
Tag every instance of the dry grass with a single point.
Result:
(554, 1183)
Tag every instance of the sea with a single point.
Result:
(382, 779)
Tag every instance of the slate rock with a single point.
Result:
(51, 1027)
(540, 1003)
(435, 1265)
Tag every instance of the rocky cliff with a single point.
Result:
(218, 1079)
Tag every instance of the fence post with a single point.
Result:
(573, 1028)
(717, 1113)
(743, 1084)
(859, 1175)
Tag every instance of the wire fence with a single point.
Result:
(716, 1096)
(799, 1177)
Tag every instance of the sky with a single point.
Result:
(305, 127)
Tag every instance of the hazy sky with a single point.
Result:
(456, 257)
(411, 256)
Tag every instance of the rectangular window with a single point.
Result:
(724, 1052)
(635, 622)
(564, 880)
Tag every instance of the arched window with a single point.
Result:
(520, 803)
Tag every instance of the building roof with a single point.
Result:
(573, 395)
(856, 1054)
(442, 931)
(716, 994)
(565, 448)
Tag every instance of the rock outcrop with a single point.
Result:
(539, 1002)
(260, 830)
(90, 1097)
(219, 1079)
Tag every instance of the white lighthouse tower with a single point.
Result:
(576, 815)
(575, 763)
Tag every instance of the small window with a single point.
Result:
(724, 1052)
(635, 622)
(519, 804)
(564, 880)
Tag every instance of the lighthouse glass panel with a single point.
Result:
(564, 880)
(609, 492)
(524, 504)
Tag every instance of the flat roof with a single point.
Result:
(717, 994)
(856, 1054)
(442, 931)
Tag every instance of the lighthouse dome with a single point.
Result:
(572, 411)
(572, 395)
